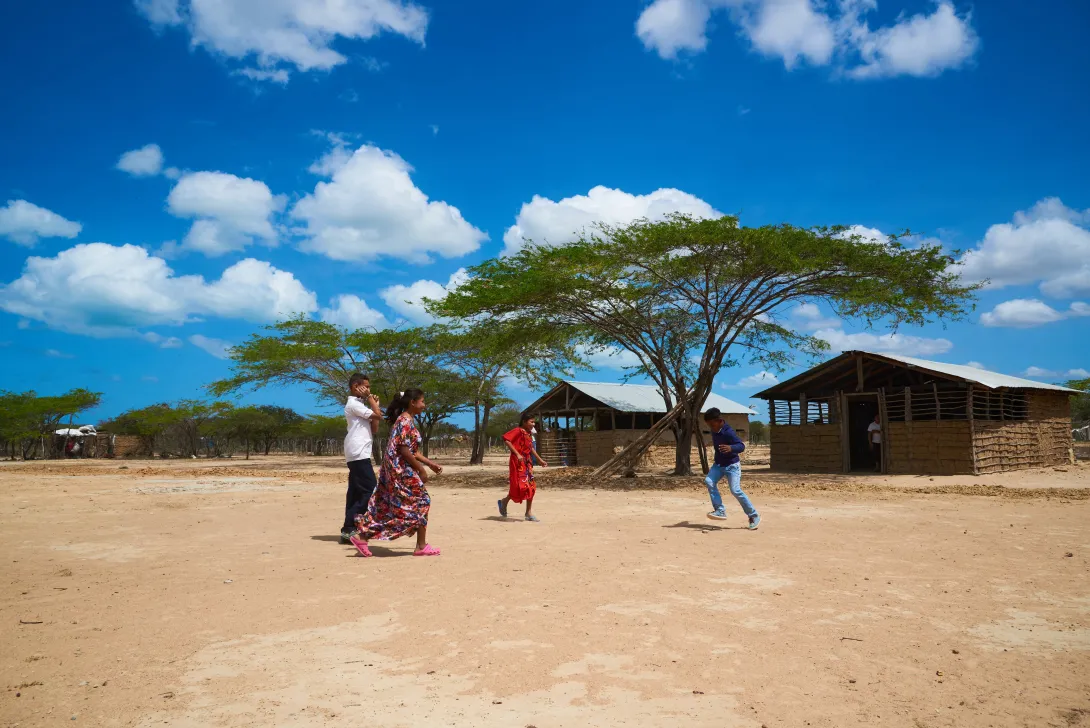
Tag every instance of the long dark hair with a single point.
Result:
(400, 403)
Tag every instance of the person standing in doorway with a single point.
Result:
(874, 436)
(727, 465)
(362, 414)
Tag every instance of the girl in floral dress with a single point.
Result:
(400, 504)
(521, 485)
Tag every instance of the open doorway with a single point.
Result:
(861, 413)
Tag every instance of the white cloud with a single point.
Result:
(105, 290)
(1042, 373)
(24, 223)
(299, 33)
(147, 161)
(556, 223)
(902, 344)
(1049, 244)
(1025, 313)
(371, 208)
(975, 365)
(55, 354)
(610, 357)
(762, 379)
(278, 75)
(818, 33)
(231, 212)
(672, 26)
(808, 317)
(352, 312)
(216, 347)
(149, 378)
(921, 45)
(408, 301)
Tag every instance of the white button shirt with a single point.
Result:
(357, 443)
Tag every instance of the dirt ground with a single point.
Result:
(204, 593)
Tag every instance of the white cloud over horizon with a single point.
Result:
(24, 223)
(818, 34)
(351, 312)
(1025, 313)
(1048, 245)
(278, 33)
(371, 208)
(895, 343)
(103, 290)
(216, 347)
(546, 222)
(230, 213)
(408, 301)
(1035, 372)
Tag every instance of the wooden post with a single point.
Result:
(613, 418)
(883, 422)
(938, 406)
(803, 410)
(972, 429)
(771, 412)
(845, 443)
(859, 372)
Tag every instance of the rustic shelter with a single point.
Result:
(936, 418)
(585, 423)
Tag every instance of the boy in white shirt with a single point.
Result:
(874, 434)
(362, 414)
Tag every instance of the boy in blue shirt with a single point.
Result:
(727, 445)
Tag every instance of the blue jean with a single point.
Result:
(733, 474)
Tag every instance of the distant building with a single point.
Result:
(586, 423)
(935, 418)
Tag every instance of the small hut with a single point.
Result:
(935, 418)
(585, 423)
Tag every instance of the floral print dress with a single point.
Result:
(401, 503)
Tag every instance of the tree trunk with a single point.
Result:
(476, 457)
(247, 441)
(683, 450)
(481, 439)
(268, 445)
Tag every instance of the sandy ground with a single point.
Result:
(204, 594)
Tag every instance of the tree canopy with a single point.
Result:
(689, 297)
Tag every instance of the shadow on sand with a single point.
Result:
(705, 527)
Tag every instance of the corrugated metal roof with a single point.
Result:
(993, 380)
(646, 398)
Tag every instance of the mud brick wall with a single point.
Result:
(806, 448)
(930, 447)
(128, 446)
(1042, 440)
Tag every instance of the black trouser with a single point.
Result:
(361, 484)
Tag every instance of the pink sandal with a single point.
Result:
(361, 546)
(428, 550)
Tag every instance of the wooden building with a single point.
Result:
(935, 418)
(585, 423)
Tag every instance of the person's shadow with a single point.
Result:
(704, 527)
(326, 538)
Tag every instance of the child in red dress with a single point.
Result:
(521, 466)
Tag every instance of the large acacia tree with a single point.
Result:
(689, 297)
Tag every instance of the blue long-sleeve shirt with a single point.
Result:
(727, 436)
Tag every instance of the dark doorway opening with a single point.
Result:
(861, 413)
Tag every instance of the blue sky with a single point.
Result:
(260, 157)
